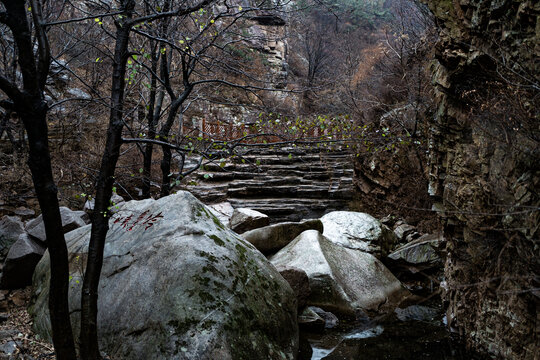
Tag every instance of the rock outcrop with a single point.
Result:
(177, 284)
(484, 172)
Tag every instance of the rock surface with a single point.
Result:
(70, 220)
(299, 282)
(177, 284)
(287, 184)
(359, 231)
(419, 254)
(483, 170)
(11, 227)
(271, 238)
(223, 211)
(20, 263)
(244, 219)
(342, 280)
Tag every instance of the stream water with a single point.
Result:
(417, 333)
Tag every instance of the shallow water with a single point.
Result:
(390, 339)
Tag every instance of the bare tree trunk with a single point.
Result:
(151, 117)
(39, 162)
(29, 103)
(100, 218)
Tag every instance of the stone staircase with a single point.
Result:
(287, 184)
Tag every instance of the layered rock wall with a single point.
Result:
(484, 172)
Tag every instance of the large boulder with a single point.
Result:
(244, 219)
(359, 231)
(271, 238)
(20, 263)
(71, 220)
(342, 280)
(177, 284)
(11, 227)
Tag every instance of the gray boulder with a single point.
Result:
(177, 284)
(359, 231)
(244, 219)
(11, 227)
(71, 220)
(419, 254)
(20, 263)
(342, 280)
(271, 238)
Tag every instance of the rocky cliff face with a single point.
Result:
(484, 171)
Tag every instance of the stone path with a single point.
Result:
(287, 184)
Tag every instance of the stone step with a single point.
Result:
(280, 210)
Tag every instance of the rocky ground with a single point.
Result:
(17, 340)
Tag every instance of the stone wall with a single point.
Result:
(484, 170)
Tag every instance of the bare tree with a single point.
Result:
(25, 96)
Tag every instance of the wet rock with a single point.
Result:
(299, 282)
(359, 231)
(176, 283)
(271, 238)
(342, 280)
(309, 320)
(71, 220)
(244, 219)
(11, 227)
(20, 263)
(416, 313)
(330, 320)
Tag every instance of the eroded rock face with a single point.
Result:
(177, 284)
(484, 172)
(342, 280)
(359, 231)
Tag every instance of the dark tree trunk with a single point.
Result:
(39, 162)
(100, 217)
(29, 103)
(152, 116)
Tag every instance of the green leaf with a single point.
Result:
(141, 170)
